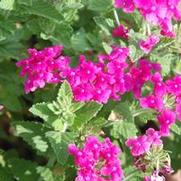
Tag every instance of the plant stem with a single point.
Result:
(116, 17)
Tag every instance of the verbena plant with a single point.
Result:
(102, 90)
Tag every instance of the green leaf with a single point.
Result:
(26, 2)
(166, 65)
(132, 174)
(65, 94)
(123, 109)
(43, 9)
(23, 169)
(45, 173)
(60, 113)
(123, 122)
(7, 4)
(79, 41)
(59, 142)
(42, 110)
(5, 175)
(8, 81)
(144, 115)
(176, 128)
(107, 48)
(94, 126)
(33, 134)
(123, 129)
(99, 5)
(105, 24)
(85, 114)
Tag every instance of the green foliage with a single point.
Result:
(7, 4)
(123, 125)
(33, 134)
(59, 142)
(85, 114)
(36, 148)
(99, 5)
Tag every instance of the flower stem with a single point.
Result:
(116, 17)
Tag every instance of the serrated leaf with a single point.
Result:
(105, 24)
(123, 109)
(41, 110)
(176, 128)
(94, 126)
(43, 9)
(33, 134)
(65, 94)
(99, 5)
(79, 41)
(45, 173)
(123, 129)
(59, 142)
(144, 115)
(86, 113)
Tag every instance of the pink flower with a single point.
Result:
(142, 144)
(153, 137)
(86, 70)
(121, 31)
(139, 145)
(147, 45)
(97, 160)
(159, 13)
(174, 85)
(118, 54)
(83, 92)
(100, 81)
(151, 101)
(101, 95)
(126, 5)
(166, 119)
(44, 66)
(160, 88)
(141, 74)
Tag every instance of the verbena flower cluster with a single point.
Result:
(142, 144)
(89, 81)
(97, 161)
(160, 12)
(164, 98)
(109, 78)
(44, 66)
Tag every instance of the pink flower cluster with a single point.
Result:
(102, 80)
(142, 144)
(97, 161)
(41, 67)
(110, 77)
(140, 74)
(159, 12)
(165, 99)
(89, 81)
